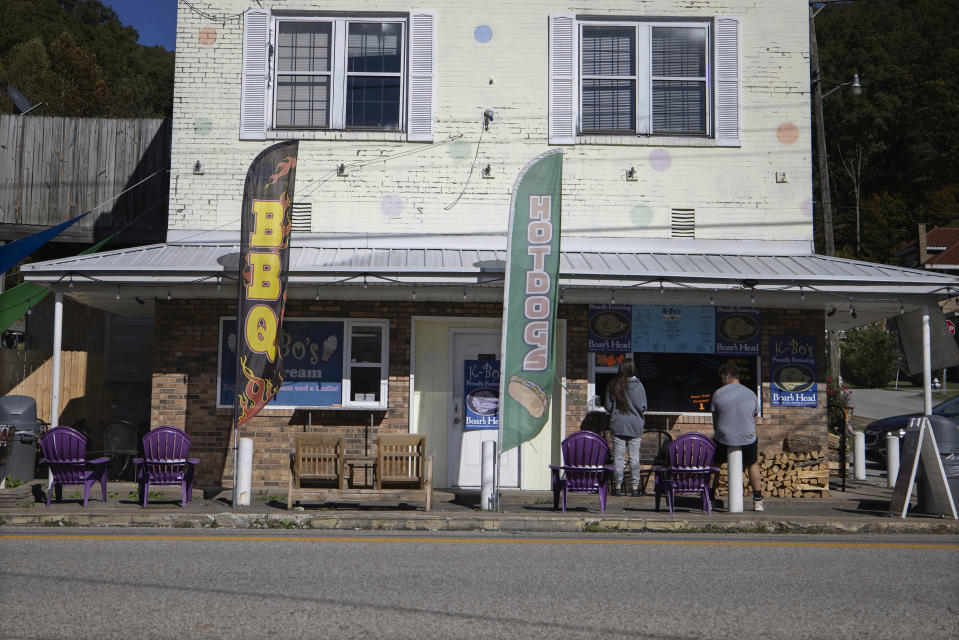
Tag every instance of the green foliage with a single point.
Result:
(906, 120)
(869, 356)
(13, 483)
(78, 58)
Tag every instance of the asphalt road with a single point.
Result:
(881, 403)
(227, 584)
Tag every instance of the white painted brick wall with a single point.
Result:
(733, 190)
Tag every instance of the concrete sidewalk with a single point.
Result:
(862, 508)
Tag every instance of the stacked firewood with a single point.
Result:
(794, 473)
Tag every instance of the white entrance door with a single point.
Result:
(466, 446)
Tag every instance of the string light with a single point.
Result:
(612, 296)
(661, 290)
(802, 294)
(413, 293)
(365, 286)
(752, 295)
(464, 293)
(71, 280)
(219, 283)
(117, 296)
(852, 311)
(561, 300)
(317, 296)
(169, 294)
(902, 309)
(712, 300)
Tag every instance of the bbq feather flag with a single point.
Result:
(530, 301)
(264, 265)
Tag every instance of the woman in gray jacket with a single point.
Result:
(626, 404)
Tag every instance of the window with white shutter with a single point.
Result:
(342, 73)
(644, 78)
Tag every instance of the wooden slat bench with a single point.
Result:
(315, 459)
(403, 471)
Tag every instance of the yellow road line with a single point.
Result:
(695, 543)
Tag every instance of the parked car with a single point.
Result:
(876, 431)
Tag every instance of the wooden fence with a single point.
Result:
(53, 169)
(83, 393)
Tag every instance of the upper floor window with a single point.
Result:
(339, 74)
(355, 73)
(644, 78)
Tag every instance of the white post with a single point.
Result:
(55, 383)
(734, 464)
(892, 459)
(926, 362)
(57, 344)
(486, 492)
(859, 451)
(244, 472)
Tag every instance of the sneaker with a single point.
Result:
(636, 492)
(616, 492)
(758, 505)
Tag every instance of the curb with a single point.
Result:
(479, 522)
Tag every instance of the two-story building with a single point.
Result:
(687, 226)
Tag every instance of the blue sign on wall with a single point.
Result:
(312, 355)
(481, 394)
(737, 331)
(609, 328)
(674, 329)
(792, 361)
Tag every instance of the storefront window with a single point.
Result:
(327, 363)
(674, 382)
(367, 354)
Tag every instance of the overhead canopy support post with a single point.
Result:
(926, 362)
(55, 383)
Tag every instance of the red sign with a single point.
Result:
(951, 326)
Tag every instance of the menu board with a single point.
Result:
(727, 331)
(674, 329)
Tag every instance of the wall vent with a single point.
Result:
(682, 223)
(302, 217)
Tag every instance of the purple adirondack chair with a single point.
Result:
(584, 468)
(690, 467)
(165, 462)
(64, 450)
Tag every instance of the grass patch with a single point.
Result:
(596, 526)
(273, 523)
(13, 483)
(26, 504)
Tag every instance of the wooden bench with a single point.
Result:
(403, 471)
(402, 465)
(316, 459)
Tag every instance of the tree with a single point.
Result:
(869, 356)
(906, 122)
(78, 57)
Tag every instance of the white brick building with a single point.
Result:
(686, 135)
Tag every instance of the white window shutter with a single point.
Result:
(728, 82)
(256, 66)
(563, 79)
(419, 127)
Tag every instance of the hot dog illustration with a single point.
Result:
(529, 394)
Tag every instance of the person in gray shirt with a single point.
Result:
(734, 410)
(626, 403)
